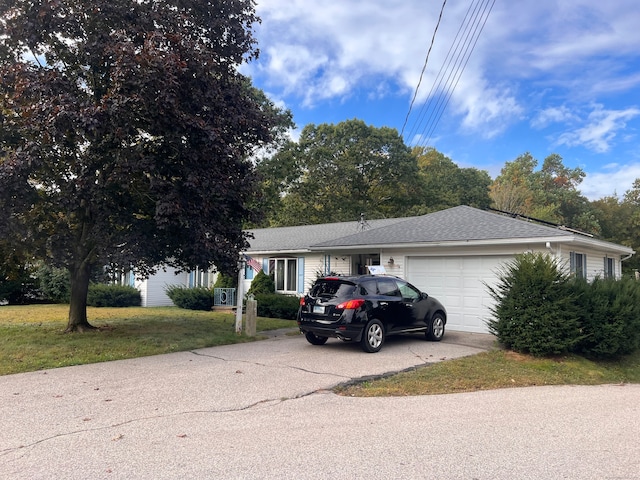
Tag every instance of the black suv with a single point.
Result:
(367, 308)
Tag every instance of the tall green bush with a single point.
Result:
(55, 283)
(609, 317)
(262, 284)
(226, 281)
(534, 309)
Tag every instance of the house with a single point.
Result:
(451, 254)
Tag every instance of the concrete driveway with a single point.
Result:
(264, 410)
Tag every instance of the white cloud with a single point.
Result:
(601, 129)
(552, 115)
(613, 179)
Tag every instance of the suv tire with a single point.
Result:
(313, 339)
(435, 331)
(373, 336)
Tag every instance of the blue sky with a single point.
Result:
(543, 77)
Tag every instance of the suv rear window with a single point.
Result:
(331, 288)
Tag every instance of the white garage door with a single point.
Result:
(459, 283)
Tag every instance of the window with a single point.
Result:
(388, 287)
(409, 293)
(200, 278)
(578, 264)
(609, 268)
(285, 272)
(248, 272)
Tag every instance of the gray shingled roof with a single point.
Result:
(454, 224)
(302, 237)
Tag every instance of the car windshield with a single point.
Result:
(331, 288)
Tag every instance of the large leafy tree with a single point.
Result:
(335, 172)
(445, 184)
(125, 132)
(549, 193)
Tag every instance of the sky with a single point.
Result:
(497, 78)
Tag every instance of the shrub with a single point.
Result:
(101, 295)
(535, 310)
(262, 284)
(610, 317)
(55, 283)
(198, 298)
(226, 281)
(275, 305)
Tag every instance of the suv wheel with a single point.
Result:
(313, 339)
(373, 336)
(436, 328)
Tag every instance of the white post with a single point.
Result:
(239, 296)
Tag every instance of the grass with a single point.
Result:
(497, 369)
(32, 338)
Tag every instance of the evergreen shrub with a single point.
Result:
(609, 317)
(262, 284)
(275, 305)
(55, 283)
(534, 310)
(102, 295)
(199, 298)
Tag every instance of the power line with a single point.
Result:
(451, 70)
(424, 67)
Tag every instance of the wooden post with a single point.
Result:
(251, 316)
(239, 295)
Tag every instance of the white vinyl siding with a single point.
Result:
(152, 290)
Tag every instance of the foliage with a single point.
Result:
(445, 185)
(31, 336)
(610, 317)
(125, 136)
(262, 284)
(549, 194)
(276, 305)
(226, 281)
(337, 171)
(54, 283)
(196, 298)
(102, 295)
(534, 310)
(18, 286)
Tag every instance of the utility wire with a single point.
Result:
(424, 67)
(452, 68)
(455, 77)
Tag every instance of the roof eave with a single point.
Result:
(455, 243)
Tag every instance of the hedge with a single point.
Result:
(198, 298)
(101, 295)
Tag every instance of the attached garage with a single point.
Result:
(454, 254)
(459, 283)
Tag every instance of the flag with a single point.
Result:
(255, 264)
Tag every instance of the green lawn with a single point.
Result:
(32, 338)
(498, 369)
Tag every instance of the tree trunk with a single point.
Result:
(80, 273)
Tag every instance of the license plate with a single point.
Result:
(318, 309)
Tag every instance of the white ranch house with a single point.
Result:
(450, 254)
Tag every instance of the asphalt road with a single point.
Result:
(265, 411)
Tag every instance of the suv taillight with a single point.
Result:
(351, 304)
(302, 302)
